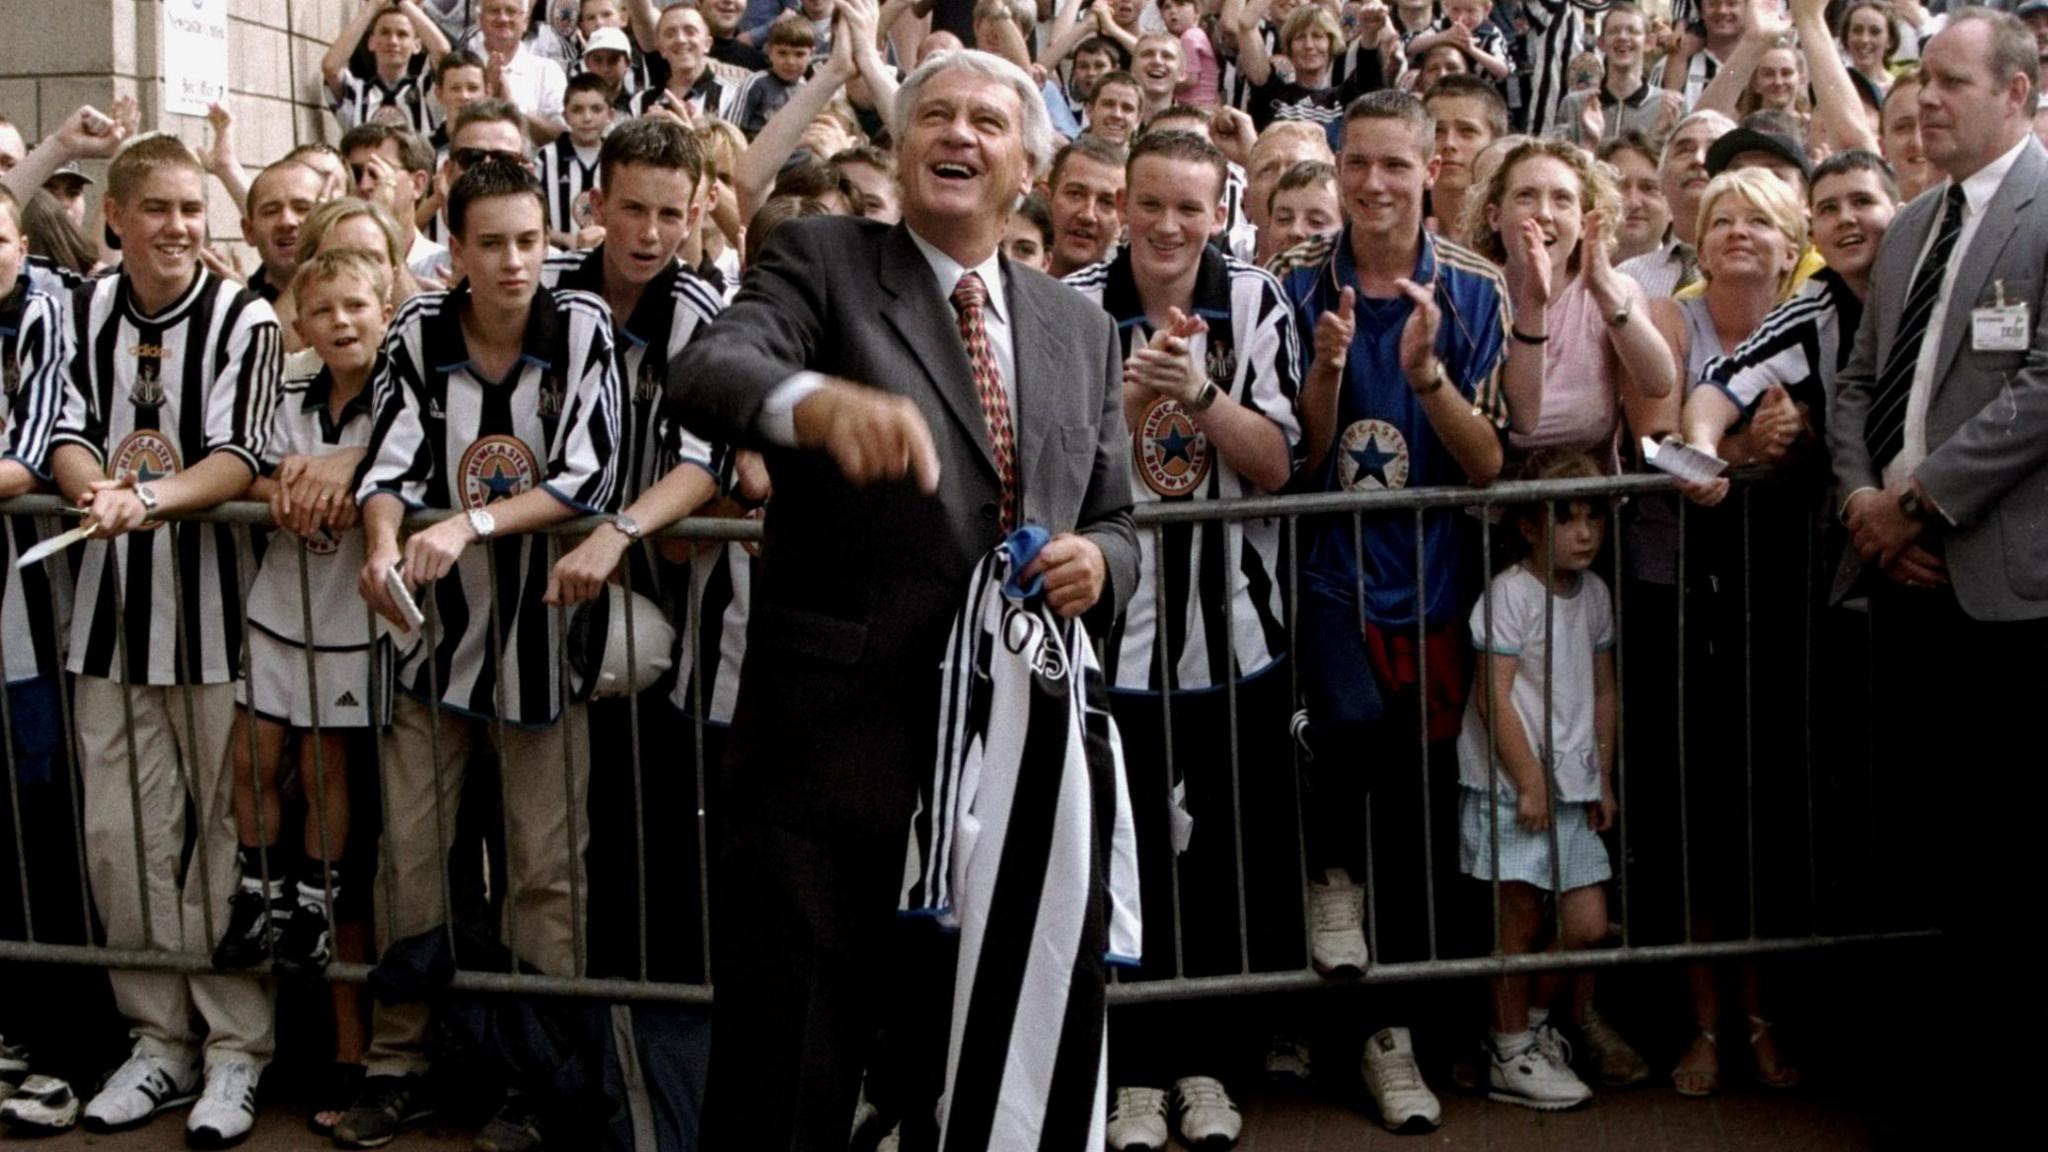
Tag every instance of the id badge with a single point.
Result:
(2000, 326)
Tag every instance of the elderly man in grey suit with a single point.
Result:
(916, 395)
(1939, 433)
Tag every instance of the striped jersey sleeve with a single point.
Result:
(402, 462)
(242, 403)
(34, 352)
(1476, 322)
(580, 470)
(1794, 348)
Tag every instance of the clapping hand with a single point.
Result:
(1165, 365)
(1334, 330)
(1418, 335)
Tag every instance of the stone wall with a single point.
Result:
(58, 54)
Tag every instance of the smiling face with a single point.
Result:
(1900, 132)
(1272, 156)
(393, 42)
(1085, 220)
(595, 14)
(683, 39)
(1382, 173)
(1546, 190)
(343, 321)
(1157, 67)
(1867, 35)
(1310, 52)
(788, 61)
(1301, 213)
(161, 225)
(1113, 112)
(1851, 211)
(1645, 213)
(459, 88)
(1621, 39)
(1740, 244)
(1725, 19)
(500, 247)
(1776, 82)
(503, 22)
(1171, 207)
(962, 160)
(646, 213)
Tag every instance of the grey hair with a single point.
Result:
(1720, 120)
(1037, 128)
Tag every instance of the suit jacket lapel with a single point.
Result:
(926, 322)
(2001, 220)
(1032, 339)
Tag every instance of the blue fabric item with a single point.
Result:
(32, 707)
(1023, 546)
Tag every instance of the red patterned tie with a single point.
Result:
(969, 296)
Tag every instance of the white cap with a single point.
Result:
(607, 40)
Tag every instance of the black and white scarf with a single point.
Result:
(1023, 841)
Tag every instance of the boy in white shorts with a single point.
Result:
(310, 642)
(1533, 821)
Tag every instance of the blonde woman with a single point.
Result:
(1752, 230)
(1547, 214)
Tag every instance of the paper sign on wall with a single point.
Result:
(195, 39)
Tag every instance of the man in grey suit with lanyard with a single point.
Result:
(916, 395)
(1939, 432)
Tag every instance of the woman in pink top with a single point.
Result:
(1202, 74)
(1547, 215)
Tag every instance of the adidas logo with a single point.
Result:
(348, 700)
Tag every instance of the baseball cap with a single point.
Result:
(1742, 140)
(2031, 7)
(610, 39)
(73, 171)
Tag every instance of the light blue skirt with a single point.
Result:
(1525, 855)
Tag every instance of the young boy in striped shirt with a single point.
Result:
(167, 403)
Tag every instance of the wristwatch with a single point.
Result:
(147, 495)
(482, 523)
(1437, 377)
(1621, 315)
(627, 526)
(1204, 398)
(1915, 506)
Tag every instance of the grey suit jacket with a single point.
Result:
(1987, 418)
(838, 704)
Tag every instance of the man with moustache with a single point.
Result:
(1674, 264)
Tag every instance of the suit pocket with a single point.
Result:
(813, 634)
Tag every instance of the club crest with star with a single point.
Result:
(1172, 455)
(496, 468)
(146, 455)
(1372, 454)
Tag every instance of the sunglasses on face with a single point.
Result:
(467, 158)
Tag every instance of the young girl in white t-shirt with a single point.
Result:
(1530, 819)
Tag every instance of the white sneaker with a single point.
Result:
(1540, 1076)
(1406, 1104)
(1137, 1120)
(227, 1109)
(141, 1087)
(14, 1061)
(40, 1106)
(1287, 1058)
(1337, 908)
(1205, 1114)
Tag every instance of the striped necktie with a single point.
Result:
(970, 297)
(1884, 430)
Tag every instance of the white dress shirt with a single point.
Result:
(535, 83)
(1978, 190)
(778, 412)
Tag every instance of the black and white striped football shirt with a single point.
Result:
(148, 396)
(716, 93)
(33, 600)
(712, 644)
(1799, 347)
(565, 175)
(1556, 32)
(364, 99)
(445, 438)
(1218, 579)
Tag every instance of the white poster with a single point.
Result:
(195, 37)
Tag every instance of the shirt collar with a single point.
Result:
(322, 386)
(1211, 294)
(949, 271)
(1634, 99)
(651, 316)
(1982, 185)
(447, 350)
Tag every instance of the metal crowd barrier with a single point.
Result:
(1438, 960)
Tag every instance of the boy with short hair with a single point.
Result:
(406, 46)
(167, 406)
(1465, 26)
(499, 401)
(568, 164)
(1115, 108)
(320, 428)
(790, 50)
(458, 83)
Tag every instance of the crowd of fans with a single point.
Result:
(1350, 246)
